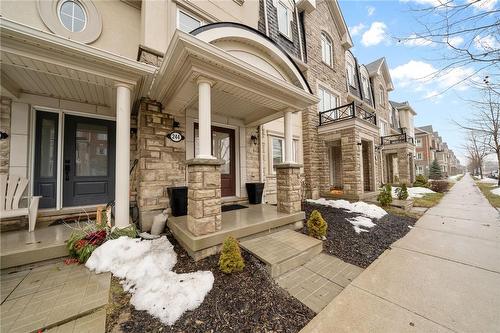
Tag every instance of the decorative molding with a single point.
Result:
(239, 2)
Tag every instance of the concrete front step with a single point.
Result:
(284, 250)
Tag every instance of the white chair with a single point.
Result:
(11, 191)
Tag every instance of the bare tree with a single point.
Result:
(469, 31)
(477, 149)
(485, 121)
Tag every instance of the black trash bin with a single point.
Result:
(254, 191)
(178, 200)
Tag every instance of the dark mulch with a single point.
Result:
(249, 301)
(363, 248)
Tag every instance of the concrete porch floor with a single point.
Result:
(243, 223)
(21, 247)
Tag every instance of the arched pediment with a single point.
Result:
(254, 48)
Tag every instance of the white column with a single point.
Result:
(204, 118)
(122, 186)
(288, 137)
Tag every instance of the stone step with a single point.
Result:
(91, 323)
(284, 250)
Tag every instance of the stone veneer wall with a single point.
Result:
(5, 110)
(316, 162)
(252, 155)
(288, 182)
(161, 161)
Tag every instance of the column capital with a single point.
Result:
(124, 85)
(204, 79)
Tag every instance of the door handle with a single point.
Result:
(67, 168)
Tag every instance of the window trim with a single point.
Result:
(326, 40)
(323, 89)
(191, 15)
(295, 151)
(77, 3)
(418, 142)
(287, 34)
(419, 156)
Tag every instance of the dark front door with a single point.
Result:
(45, 168)
(88, 161)
(223, 147)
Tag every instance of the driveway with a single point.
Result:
(443, 276)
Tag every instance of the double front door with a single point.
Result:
(223, 147)
(87, 164)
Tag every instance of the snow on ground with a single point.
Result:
(414, 192)
(488, 180)
(361, 223)
(146, 269)
(368, 210)
(496, 191)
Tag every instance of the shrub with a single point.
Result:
(230, 259)
(435, 171)
(421, 181)
(316, 225)
(385, 195)
(439, 186)
(402, 192)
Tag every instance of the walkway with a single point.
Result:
(443, 276)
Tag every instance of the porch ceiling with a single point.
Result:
(240, 90)
(40, 63)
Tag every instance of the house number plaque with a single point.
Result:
(175, 136)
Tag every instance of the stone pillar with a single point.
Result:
(122, 177)
(288, 187)
(204, 196)
(403, 166)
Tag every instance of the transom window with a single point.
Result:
(326, 49)
(187, 22)
(284, 21)
(327, 100)
(72, 15)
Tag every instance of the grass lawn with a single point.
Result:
(492, 198)
(428, 200)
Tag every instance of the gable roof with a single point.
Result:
(427, 128)
(379, 67)
(339, 20)
(402, 105)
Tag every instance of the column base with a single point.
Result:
(204, 196)
(289, 187)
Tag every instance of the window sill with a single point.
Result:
(326, 64)
(285, 36)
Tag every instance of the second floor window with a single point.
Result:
(326, 49)
(350, 74)
(383, 128)
(284, 20)
(327, 100)
(419, 156)
(72, 16)
(364, 82)
(187, 22)
(419, 142)
(381, 97)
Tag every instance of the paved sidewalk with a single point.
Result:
(443, 276)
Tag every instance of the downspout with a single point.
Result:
(266, 23)
(299, 34)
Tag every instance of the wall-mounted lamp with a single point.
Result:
(254, 139)
(3, 135)
(359, 143)
(176, 124)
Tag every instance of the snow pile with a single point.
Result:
(361, 223)
(454, 178)
(414, 192)
(146, 267)
(368, 210)
(496, 191)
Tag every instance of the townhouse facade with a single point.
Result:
(429, 147)
(125, 100)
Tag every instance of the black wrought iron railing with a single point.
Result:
(396, 138)
(345, 112)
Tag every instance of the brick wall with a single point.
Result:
(5, 109)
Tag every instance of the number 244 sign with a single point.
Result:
(175, 136)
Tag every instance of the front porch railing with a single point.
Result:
(396, 138)
(345, 112)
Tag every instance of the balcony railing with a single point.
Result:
(345, 112)
(396, 138)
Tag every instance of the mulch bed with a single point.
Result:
(363, 248)
(249, 301)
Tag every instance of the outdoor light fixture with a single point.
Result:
(359, 143)
(3, 135)
(254, 139)
(176, 124)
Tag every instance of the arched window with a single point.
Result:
(326, 49)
